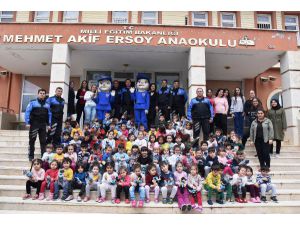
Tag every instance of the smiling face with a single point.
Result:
(142, 84)
(105, 85)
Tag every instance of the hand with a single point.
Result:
(132, 89)
(210, 120)
(113, 93)
(270, 142)
(251, 143)
(146, 111)
(232, 114)
(27, 125)
(48, 128)
(156, 107)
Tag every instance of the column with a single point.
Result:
(60, 71)
(196, 71)
(290, 79)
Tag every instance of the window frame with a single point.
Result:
(227, 21)
(149, 18)
(199, 20)
(113, 18)
(291, 24)
(36, 17)
(262, 23)
(7, 17)
(69, 19)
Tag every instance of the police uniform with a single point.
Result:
(178, 100)
(164, 97)
(57, 109)
(127, 102)
(117, 103)
(38, 115)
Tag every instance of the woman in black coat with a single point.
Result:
(71, 99)
(153, 103)
(80, 100)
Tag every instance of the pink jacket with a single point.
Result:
(221, 105)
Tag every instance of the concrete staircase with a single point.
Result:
(13, 159)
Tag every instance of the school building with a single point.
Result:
(251, 50)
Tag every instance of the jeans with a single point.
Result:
(90, 113)
(65, 186)
(239, 123)
(266, 188)
(165, 189)
(141, 191)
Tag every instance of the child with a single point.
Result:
(213, 185)
(152, 131)
(188, 131)
(124, 130)
(188, 159)
(76, 129)
(204, 148)
(167, 184)
(120, 158)
(166, 155)
(135, 154)
(83, 156)
(169, 144)
(229, 153)
(79, 181)
(129, 143)
(176, 157)
(152, 181)
(178, 142)
(264, 181)
(182, 192)
(220, 138)
(121, 140)
(212, 142)
(194, 187)
(71, 154)
(35, 175)
(237, 144)
(107, 155)
(137, 185)
(144, 159)
(66, 139)
(200, 161)
(51, 177)
(109, 182)
(123, 184)
(151, 143)
(239, 160)
(93, 183)
(238, 184)
(47, 157)
(226, 178)
(161, 132)
(211, 160)
(67, 179)
(76, 141)
(109, 140)
(140, 141)
(251, 186)
(170, 130)
(156, 157)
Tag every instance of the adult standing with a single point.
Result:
(237, 111)
(127, 101)
(164, 97)
(153, 105)
(262, 134)
(178, 99)
(38, 119)
(116, 106)
(277, 115)
(71, 99)
(201, 112)
(80, 100)
(220, 110)
(227, 96)
(90, 104)
(57, 104)
(209, 95)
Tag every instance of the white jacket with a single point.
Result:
(237, 180)
(89, 99)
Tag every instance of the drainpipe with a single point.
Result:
(9, 90)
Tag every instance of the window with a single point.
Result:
(71, 16)
(92, 77)
(149, 17)
(228, 19)
(264, 21)
(292, 23)
(6, 16)
(200, 19)
(120, 17)
(42, 16)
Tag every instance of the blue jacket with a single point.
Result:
(38, 112)
(104, 101)
(141, 100)
(200, 108)
(80, 177)
(178, 97)
(57, 106)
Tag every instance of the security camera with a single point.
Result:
(264, 79)
(3, 73)
(272, 78)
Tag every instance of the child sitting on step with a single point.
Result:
(109, 182)
(213, 185)
(137, 185)
(51, 177)
(194, 188)
(152, 181)
(93, 183)
(238, 184)
(123, 184)
(252, 186)
(264, 181)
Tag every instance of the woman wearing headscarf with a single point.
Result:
(277, 115)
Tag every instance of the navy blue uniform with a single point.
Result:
(127, 102)
(57, 109)
(178, 100)
(38, 115)
(164, 101)
(116, 106)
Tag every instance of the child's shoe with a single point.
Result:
(26, 196)
(199, 209)
(263, 199)
(127, 201)
(189, 207)
(194, 206)
(156, 200)
(209, 202)
(101, 200)
(258, 199)
(35, 197)
(79, 199)
(117, 201)
(69, 198)
(86, 199)
(141, 204)
(274, 199)
(183, 208)
(244, 200)
(239, 200)
(41, 196)
(147, 200)
(133, 203)
(170, 201)
(63, 198)
(253, 200)
(50, 197)
(112, 201)
(220, 202)
(164, 201)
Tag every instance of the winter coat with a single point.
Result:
(279, 122)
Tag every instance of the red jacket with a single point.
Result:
(52, 173)
(149, 179)
(126, 181)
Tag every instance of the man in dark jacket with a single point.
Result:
(201, 112)
(164, 97)
(57, 104)
(127, 101)
(38, 118)
(116, 107)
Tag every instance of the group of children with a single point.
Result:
(115, 156)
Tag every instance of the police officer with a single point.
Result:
(164, 97)
(127, 101)
(56, 103)
(116, 107)
(201, 112)
(178, 99)
(38, 118)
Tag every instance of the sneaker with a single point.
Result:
(164, 201)
(209, 202)
(199, 209)
(194, 206)
(133, 203)
(189, 207)
(35, 197)
(79, 199)
(50, 197)
(102, 200)
(147, 200)
(274, 199)
(239, 200)
(220, 202)
(41, 196)
(244, 200)
(26, 196)
(183, 208)
(117, 201)
(86, 199)
(258, 199)
(127, 201)
(112, 201)
(253, 200)
(263, 199)
(69, 198)
(156, 200)
(98, 199)
(141, 204)
(170, 201)
(63, 198)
